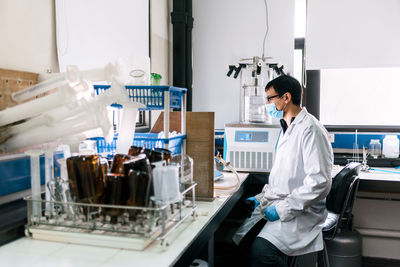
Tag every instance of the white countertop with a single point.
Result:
(29, 252)
(381, 174)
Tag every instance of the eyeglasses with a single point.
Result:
(271, 97)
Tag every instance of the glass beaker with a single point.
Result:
(59, 191)
(375, 148)
(255, 108)
(185, 168)
(138, 77)
(252, 92)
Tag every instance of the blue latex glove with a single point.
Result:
(256, 203)
(271, 214)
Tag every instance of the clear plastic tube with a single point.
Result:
(46, 119)
(231, 188)
(38, 89)
(25, 126)
(30, 109)
(73, 143)
(35, 182)
(116, 94)
(127, 129)
(72, 76)
(43, 134)
(65, 96)
(70, 111)
(49, 175)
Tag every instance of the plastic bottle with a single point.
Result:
(391, 146)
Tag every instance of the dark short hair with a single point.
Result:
(286, 84)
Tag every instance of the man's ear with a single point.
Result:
(288, 97)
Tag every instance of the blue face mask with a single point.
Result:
(273, 112)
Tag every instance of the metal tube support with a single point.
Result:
(193, 197)
(163, 221)
(183, 113)
(166, 116)
(183, 122)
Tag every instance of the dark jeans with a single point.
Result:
(264, 253)
(247, 242)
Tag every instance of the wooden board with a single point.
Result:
(174, 122)
(13, 81)
(199, 146)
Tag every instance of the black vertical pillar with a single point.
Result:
(189, 72)
(182, 22)
(312, 92)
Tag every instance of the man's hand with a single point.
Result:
(247, 206)
(271, 214)
(256, 203)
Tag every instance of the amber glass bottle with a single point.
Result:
(86, 179)
(140, 181)
(115, 194)
(159, 154)
(117, 166)
(135, 150)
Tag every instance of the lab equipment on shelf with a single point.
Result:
(251, 147)
(391, 146)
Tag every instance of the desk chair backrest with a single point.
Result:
(343, 192)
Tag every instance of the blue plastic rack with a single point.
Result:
(150, 95)
(147, 140)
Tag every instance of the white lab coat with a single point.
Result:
(298, 184)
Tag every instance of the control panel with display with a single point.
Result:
(251, 136)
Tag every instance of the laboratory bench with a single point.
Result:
(378, 179)
(199, 237)
(376, 213)
(184, 244)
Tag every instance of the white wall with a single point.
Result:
(225, 31)
(28, 36)
(367, 96)
(160, 43)
(92, 33)
(353, 33)
(27, 30)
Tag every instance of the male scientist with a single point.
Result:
(293, 202)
